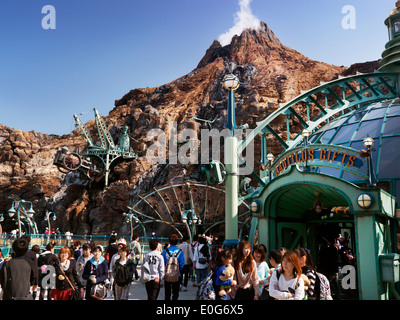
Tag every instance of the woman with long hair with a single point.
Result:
(246, 276)
(262, 266)
(66, 276)
(287, 283)
(312, 287)
(201, 260)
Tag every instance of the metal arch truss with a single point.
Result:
(204, 220)
(356, 91)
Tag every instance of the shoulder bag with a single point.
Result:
(75, 294)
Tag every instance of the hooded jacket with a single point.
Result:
(99, 269)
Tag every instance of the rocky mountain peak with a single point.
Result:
(255, 40)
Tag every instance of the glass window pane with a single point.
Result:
(392, 126)
(397, 193)
(394, 111)
(375, 113)
(396, 27)
(313, 137)
(357, 117)
(327, 136)
(389, 158)
(337, 123)
(369, 128)
(345, 133)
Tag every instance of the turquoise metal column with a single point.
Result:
(231, 83)
(263, 231)
(231, 192)
(367, 257)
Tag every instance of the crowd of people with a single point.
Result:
(91, 272)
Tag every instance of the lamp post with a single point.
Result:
(50, 215)
(27, 213)
(190, 220)
(1, 227)
(231, 83)
(306, 133)
(129, 217)
(368, 143)
(270, 158)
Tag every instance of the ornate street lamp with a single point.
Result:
(1, 227)
(190, 220)
(270, 158)
(50, 215)
(28, 214)
(231, 83)
(306, 133)
(368, 143)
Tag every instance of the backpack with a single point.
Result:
(324, 286)
(172, 267)
(122, 276)
(204, 258)
(206, 289)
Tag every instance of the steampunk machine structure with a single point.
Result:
(95, 161)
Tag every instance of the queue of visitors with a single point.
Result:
(91, 272)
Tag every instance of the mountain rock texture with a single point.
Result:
(271, 73)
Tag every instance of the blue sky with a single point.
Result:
(101, 49)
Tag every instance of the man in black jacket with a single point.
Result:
(18, 274)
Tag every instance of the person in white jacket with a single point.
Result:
(287, 284)
(156, 268)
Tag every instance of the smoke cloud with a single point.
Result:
(243, 19)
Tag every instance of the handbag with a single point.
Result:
(75, 294)
(98, 291)
(145, 273)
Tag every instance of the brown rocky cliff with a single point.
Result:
(271, 72)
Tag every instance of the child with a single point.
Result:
(223, 259)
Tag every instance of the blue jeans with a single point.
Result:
(201, 274)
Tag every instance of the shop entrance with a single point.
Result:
(298, 208)
(318, 236)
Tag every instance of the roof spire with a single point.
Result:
(391, 56)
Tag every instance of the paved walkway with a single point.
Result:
(138, 292)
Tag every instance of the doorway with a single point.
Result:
(323, 236)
